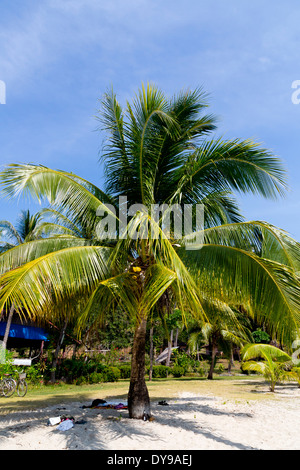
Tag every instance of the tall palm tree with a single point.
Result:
(158, 152)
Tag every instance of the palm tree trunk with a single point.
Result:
(230, 361)
(169, 349)
(7, 329)
(57, 351)
(213, 359)
(151, 354)
(138, 396)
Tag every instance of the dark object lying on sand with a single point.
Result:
(104, 405)
(95, 403)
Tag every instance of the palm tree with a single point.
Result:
(273, 365)
(23, 231)
(158, 153)
(32, 227)
(222, 329)
(28, 227)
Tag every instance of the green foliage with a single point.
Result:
(81, 380)
(271, 362)
(111, 374)
(34, 375)
(177, 371)
(182, 360)
(201, 370)
(295, 373)
(95, 378)
(116, 332)
(7, 366)
(261, 336)
(160, 371)
(125, 371)
(108, 374)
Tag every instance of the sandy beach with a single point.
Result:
(190, 421)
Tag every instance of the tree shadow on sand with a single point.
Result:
(98, 429)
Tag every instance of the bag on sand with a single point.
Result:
(65, 425)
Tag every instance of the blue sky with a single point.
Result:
(58, 57)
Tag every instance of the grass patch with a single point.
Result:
(235, 388)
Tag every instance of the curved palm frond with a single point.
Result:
(236, 165)
(241, 277)
(9, 232)
(57, 217)
(66, 192)
(266, 351)
(259, 237)
(54, 278)
(27, 224)
(21, 254)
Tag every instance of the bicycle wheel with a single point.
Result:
(2, 387)
(9, 387)
(22, 388)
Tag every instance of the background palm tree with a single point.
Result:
(33, 227)
(24, 230)
(158, 152)
(273, 363)
(223, 328)
(28, 227)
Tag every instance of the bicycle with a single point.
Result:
(9, 385)
(22, 384)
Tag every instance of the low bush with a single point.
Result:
(177, 371)
(95, 378)
(81, 380)
(34, 375)
(111, 374)
(159, 372)
(125, 371)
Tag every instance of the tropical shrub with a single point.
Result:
(81, 380)
(6, 367)
(95, 378)
(260, 336)
(34, 375)
(111, 374)
(177, 371)
(181, 359)
(125, 371)
(201, 370)
(160, 371)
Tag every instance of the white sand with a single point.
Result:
(189, 422)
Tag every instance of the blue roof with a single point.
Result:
(24, 332)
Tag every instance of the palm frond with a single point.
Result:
(9, 232)
(18, 255)
(266, 351)
(54, 278)
(66, 192)
(236, 165)
(237, 276)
